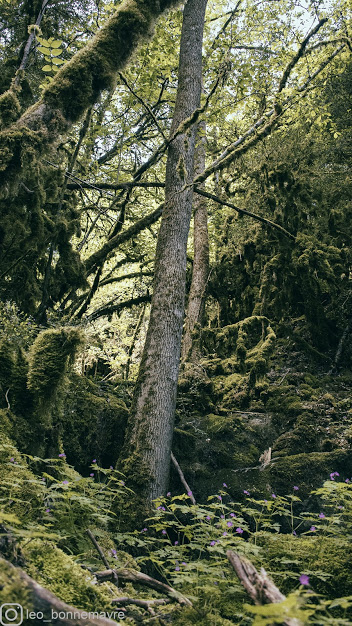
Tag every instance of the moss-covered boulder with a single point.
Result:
(93, 423)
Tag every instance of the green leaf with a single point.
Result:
(56, 43)
(43, 50)
(55, 53)
(57, 61)
(47, 68)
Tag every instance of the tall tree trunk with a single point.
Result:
(146, 455)
(200, 273)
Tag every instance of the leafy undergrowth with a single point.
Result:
(47, 507)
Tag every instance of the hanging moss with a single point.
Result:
(49, 357)
(9, 108)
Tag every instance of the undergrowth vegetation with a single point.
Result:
(47, 508)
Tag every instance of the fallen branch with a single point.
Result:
(259, 586)
(182, 478)
(144, 604)
(143, 579)
(45, 606)
(101, 554)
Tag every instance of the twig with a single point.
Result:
(143, 579)
(182, 478)
(259, 586)
(145, 604)
(7, 399)
(259, 218)
(101, 554)
(144, 104)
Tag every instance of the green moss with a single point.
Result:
(329, 557)
(307, 470)
(93, 424)
(49, 357)
(78, 84)
(12, 589)
(9, 107)
(59, 573)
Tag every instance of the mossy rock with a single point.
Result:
(93, 424)
(330, 557)
(59, 573)
(307, 470)
(12, 588)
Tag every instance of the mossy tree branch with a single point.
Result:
(78, 85)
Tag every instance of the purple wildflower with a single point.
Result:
(62, 455)
(144, 530)
(189, 493)
(208, 517)
(111, 467)
(91, 474)
(232, 515)
(47, 510)
(168, 494)
(183, 563)
(312, 529)
(246, 492)
(304, 579)
(295, 488)
(273, 495)
(321, 515)
(94, 461)
(229, 524)
(224, 485)
(294, 533)
(177, 568)
(65, 482)
(333, 474)
(12, 460)
(176, 543)
(163, 532)
(212, 543)
(224, 534)
(239, 531)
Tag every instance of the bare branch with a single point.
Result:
(117, 308)
(182, 478)
(144, 579)
(95, 259)
(259, 218)
(299, 54)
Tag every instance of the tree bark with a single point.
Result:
(200, 273)
(146, 455)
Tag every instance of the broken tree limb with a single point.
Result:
(143, 579)
(182, 478)
(259, 586)
(46, 606)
